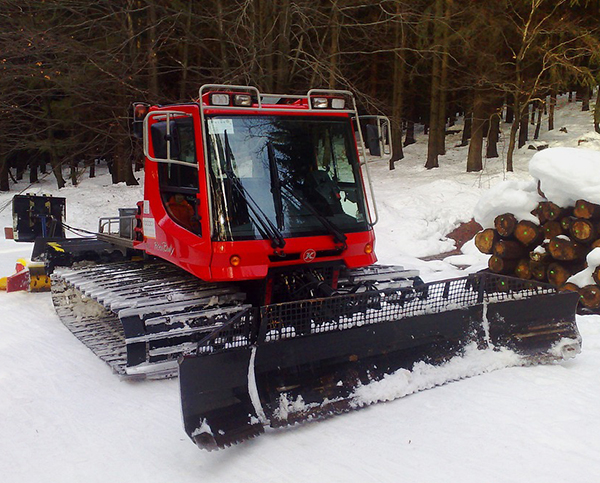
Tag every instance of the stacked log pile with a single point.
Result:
(551, 250)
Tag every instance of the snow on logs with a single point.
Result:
(549, 229)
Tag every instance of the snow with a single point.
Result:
(584, 278)
(65, 417)
(425, 376)
(567, 174)
(517, 197)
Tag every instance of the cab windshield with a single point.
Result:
(297, 174)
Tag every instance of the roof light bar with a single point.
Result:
(218, 99)
(338, 103)
(320, 103)
(244, 100)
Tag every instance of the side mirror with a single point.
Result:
(373, 136)
(140, 110)
(378, 135)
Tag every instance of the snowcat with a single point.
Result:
(249, 269)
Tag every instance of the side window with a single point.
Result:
(178, 181)
(345, 173)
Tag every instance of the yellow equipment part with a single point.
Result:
(39, 281)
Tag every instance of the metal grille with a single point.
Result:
(240, 331)
(281, 321)
(496, 288)
(341, 312)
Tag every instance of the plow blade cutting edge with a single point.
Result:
(311, 359)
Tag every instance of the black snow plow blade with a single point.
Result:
(310, 359)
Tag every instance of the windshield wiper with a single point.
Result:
(336, 233)
(275, 185)
(277, 239)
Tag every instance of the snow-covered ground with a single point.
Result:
(64, 417)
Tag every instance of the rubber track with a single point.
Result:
(164, 311)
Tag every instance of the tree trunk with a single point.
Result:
(334, 43)
(538, 124)
(492, 138)
(410, 134)
(283, 59)
(510, 113)
(551, 110)
(434, 115)
(597, 112)
(398, 93)
(445, 37)
(33, 170)
(185, 52)
(57, 169)
(223, 44)
(270, 18)
(524, 127)
(474, 158)
(436, 88)
(512, 142)
(466, 134)
(4, 182)
(585, 98)
(152, 54)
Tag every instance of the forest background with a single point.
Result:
(70, 69)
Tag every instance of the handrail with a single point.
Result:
(167, 115)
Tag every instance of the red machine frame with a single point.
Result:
(236, 260)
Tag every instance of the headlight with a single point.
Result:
(242, 100)
(320, 103)
(338, 103)
(219, 99)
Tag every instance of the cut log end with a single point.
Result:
(564, 249)
(587, 210)
(551, 229)
(523, 269)
(528, 233)
(590, 296)
(509, 249)
(505, 224)
(548, 211)
(501, 265)
(558, 274)
(485, 240)
(582, 230)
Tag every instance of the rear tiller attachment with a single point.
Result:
(290, 362)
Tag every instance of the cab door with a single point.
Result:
(175, 215)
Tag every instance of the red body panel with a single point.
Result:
(209, 260)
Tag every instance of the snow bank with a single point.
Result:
(517, 197)
(567, 174)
